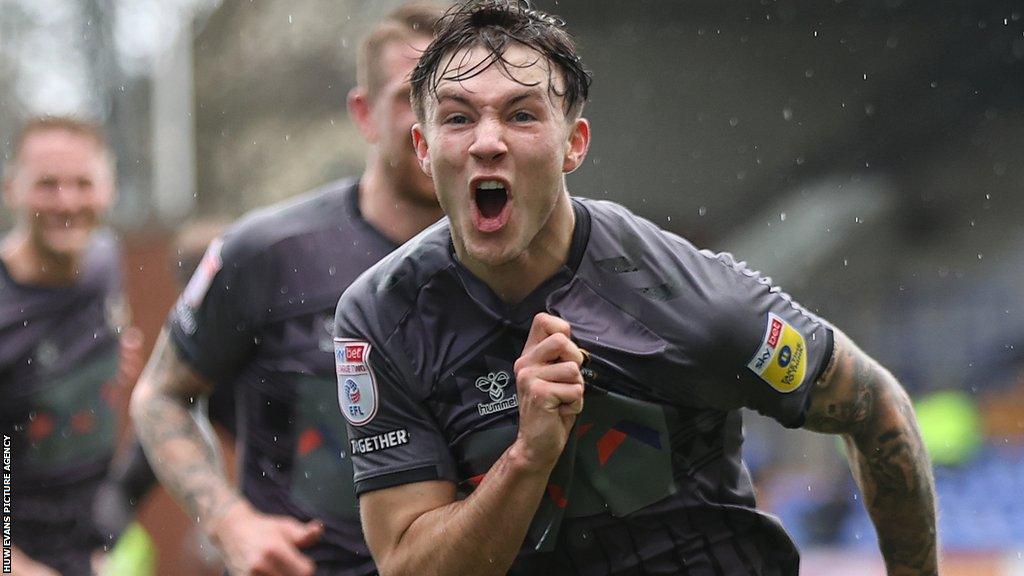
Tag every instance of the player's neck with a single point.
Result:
(513, 281)
(397, 215)
(30, 264)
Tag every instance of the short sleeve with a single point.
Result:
(213, 324)
(762, 350)
(393, 438)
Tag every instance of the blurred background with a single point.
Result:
(868, 155)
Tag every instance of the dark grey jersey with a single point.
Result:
(680, 339)
(257, 316)
(58, 368)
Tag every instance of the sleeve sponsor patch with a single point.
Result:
(200, 282)
(357, 387)
(381, 441)
(781, 360)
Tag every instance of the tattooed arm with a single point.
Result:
(862, 401)
(186, 462)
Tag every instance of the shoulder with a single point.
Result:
(622, 242)
(662, 278)
(263, 229)
(377, 301)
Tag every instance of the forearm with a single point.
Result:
(891, 466)
(480, 535)
(184, 459)
(860, 400)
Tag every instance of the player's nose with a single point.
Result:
(488, 141)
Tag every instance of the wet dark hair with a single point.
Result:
(496, 25)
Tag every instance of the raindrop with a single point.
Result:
(800, 160)
(787, 113)
(857, 219)
(979, 255)
(934, 84)
(809, 73)
(290, 19)
(702, 211)
(782, 216)
(734, 121)
(332, 270)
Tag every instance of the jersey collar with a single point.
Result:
(535, 302)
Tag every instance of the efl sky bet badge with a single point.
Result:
(781, 359)
(357, 388)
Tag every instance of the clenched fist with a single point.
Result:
(550, 389)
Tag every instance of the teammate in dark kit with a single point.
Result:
(550, 385)
(61, 311)
(257, 317)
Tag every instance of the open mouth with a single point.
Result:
(491, 200)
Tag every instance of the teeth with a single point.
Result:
(490, 185)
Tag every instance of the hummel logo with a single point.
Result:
(494, 384)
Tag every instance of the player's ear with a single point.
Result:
(419, 142)
(358, 102)
(577, 145)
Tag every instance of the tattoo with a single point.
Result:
(842, 410)
(859, 399)
(186, 462)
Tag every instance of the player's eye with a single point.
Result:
(456, 119)
(48, 184)
(522, 116)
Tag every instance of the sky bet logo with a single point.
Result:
(354, 353)
(780, 361)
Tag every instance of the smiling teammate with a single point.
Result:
(61, 310)
(257, 317)
(545, 384)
